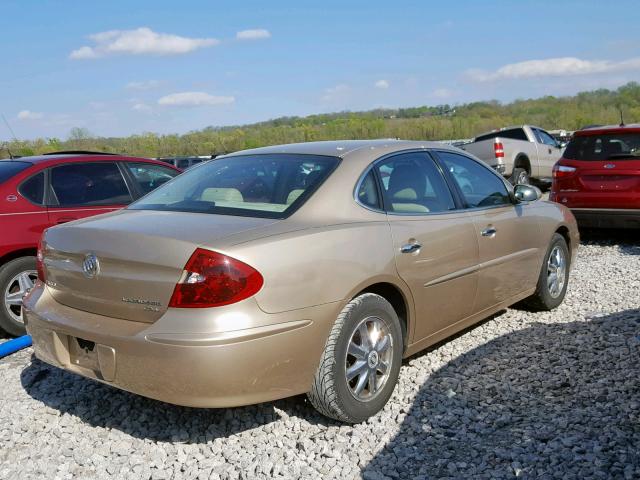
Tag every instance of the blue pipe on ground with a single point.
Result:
(12, 346)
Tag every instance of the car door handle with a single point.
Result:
(65, 220)
(489, 232)
(410, 247)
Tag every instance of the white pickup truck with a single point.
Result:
(523, 154)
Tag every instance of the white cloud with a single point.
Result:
(383, 84)
(145, 85)
(142, 108)
(442, 93)
(141, 41)
(255, 34)
(29, 115)
(193, 99)
(338, 92)
(553, 67)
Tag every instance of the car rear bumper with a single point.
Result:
(268, 361)
(607, 217)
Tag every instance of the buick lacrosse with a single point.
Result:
(311, 268)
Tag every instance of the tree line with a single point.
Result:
(419, 123)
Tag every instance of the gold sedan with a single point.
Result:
(310, 268)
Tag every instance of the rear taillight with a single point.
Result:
(562, 171)
(211, 279)
(40, 260)
(498, 149)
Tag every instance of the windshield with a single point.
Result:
(606, 146)
(271, 186)
(8, 168)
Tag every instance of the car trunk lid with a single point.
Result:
(140, 257)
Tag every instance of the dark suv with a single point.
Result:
(39, 192)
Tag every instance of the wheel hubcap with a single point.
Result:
(556, 271)
(17, 288)
(368, 359)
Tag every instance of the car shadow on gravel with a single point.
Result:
(548, 401)
(103, 406)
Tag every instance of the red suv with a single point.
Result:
(598, 177)
(39, 192)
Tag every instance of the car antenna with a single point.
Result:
(12, 134)
(621, 117)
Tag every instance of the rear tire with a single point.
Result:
(14, 278)
(549, 295)
(520, 177)
(338, 391)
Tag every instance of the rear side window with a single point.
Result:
(368, 191)
(9, 168)
(607, 146)
(513, 133)
(149, 176)
(270, 185)
(411, 183)
(479, 186)
(33, 189)
(99, 183)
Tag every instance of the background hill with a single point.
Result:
(420, 123)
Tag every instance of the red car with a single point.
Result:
(39, 192)
(598, 177)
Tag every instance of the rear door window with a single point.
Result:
(606, 146)
(88, 184)
(149, 176)
(33, 189)
(9, 168)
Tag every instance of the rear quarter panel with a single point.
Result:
(553, 217)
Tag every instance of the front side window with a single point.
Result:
(33, 189)
(412, 183)
(149, 176)
(99, 183)
(479, 186)
(270, 185)
(545, 138)
(605, 146)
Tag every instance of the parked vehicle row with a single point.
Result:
(40, 192)
(309, 268)
(523, 154)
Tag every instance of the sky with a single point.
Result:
(121, 67)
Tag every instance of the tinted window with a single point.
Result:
(608, 146)
(546, 138)
(513, 133)
(9, 168)
(368, 192)
(479, 185)
(33, 189)
(413, 184)
(99, 183)
(149, 176)
(253, 185)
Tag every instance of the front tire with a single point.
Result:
(554, 277)
(361, 361)
(17, 277)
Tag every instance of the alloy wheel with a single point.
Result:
(368, 359)
(16, 289)
(556, 271)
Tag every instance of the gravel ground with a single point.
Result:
(544, 395)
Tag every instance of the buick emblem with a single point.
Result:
(90, 266)
(610, 165)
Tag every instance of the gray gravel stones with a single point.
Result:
(523, 395)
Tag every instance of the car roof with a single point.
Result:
(599, 129)
(340, 148)
(52, 159)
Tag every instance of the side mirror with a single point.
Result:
(527, 193)
(561, 144)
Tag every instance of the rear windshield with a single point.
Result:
(513, 133)
(8, 168)
(606, 146)
(271, 186)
